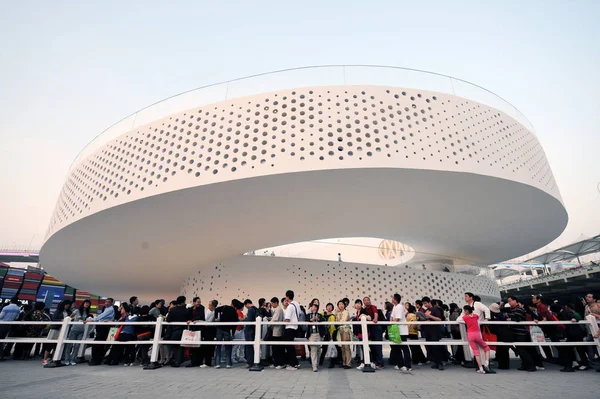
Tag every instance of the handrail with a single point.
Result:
(342, 71)
(550, 276)
(590, 322)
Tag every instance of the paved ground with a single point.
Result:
(27, 379)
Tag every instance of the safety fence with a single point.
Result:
(591, 325)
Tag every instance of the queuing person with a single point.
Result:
(375, 333)
(418, 357)
(554, 332)
(134, 302)
(357, 330)
(177, 314)
(344, 333)
(520, 333)
(195, 313)
(433, 333)
(249, 332)
(277, 332)
(9, 312)
(575, 333)
(144, 333)
(238, 353)
(291, 317)
(77, 330)
(401, 362)
(315, 333)
(127, 334)
(155, 308)
(328, 316)
(209, 334)
(482, 311)
(62, 310)
(471, 320)
(455, 312)
(504, 334)
(224, 333)
(31, 330)
(108, 314)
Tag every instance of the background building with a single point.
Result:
(185, 187)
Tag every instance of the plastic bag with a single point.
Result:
(537, 335)
(189, 335)
(393, 332)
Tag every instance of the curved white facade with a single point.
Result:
(441, 173)
(264, 276)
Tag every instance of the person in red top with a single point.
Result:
(237, 355)
(375, 333)
(475, 339)
(552, 332)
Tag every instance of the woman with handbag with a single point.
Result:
(125, 333)
(344, 333)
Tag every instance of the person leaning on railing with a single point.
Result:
(9, 313)
(108, 314)
(80, 314)
(62, 310)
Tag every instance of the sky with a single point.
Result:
(69, 70)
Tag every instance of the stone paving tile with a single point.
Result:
(20, 379)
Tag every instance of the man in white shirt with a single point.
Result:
(398, 314)
(289, 334)
(478, 308)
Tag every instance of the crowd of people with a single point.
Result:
(341, 352)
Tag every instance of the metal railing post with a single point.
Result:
(365, 345)
(466, 348)
(257, 334)
(58, 351)
(81, 351)
(155, 345)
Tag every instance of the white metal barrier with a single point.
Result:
(590, 322)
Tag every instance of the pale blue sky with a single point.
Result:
(69, 70)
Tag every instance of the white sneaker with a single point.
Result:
(67, 363)
(582, 368)
(403, 368)
(279, 367)
(73, 363)
(540, 368)
(291, 368)
(362, 366)
(396, 368)
(203, 366)
(228, 367)
(218, 366)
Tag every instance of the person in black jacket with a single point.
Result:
(177, 314)
(573, 332)
(223, 314)
(144, 332)
(195, 313)
(503, 333)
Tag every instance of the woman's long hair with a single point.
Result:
(61, 306)
(83, 312)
